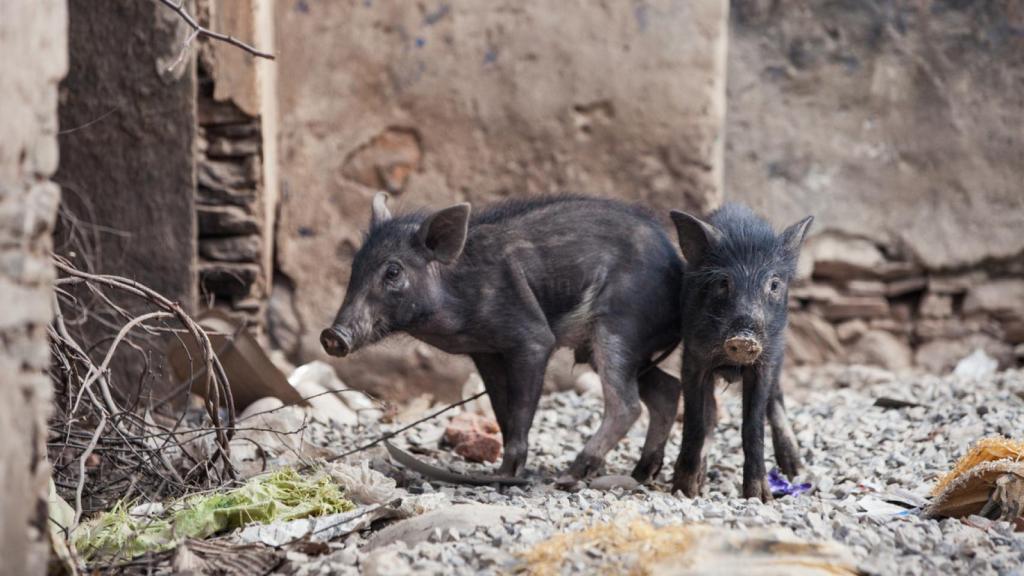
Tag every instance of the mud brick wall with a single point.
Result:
(898, 125)
(448, 101)
(31, 31)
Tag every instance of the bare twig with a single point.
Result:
(81, 468)
(97, 371)
(391, 435)
(198, 30)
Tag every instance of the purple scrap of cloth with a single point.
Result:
(782, 487)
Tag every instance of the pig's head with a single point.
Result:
(737, 279)
(396, 281)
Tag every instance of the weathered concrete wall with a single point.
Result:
(440, 102)
(33, 58)
(128, 153)
(898, 125)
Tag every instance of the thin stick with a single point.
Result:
(102, 368)
(81, 468)
(179, 7)
(391, 435)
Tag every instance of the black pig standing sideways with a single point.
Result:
(513, 283)
(735, 311)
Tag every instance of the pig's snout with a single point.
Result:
(743, 349)
(336, 341)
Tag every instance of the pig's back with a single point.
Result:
(580, 255)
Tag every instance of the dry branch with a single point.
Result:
(120, 445)
(197, 30)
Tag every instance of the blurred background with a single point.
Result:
(137, 150)
(244, 184)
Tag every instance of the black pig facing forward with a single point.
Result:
(735, 312)
(514, 282)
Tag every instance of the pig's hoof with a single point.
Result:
(688, 483)
(757, 489)
(647, 468)
(512, 464)
(789, 463)
(585, 466)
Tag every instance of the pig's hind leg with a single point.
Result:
(617, 367)
(659, 391)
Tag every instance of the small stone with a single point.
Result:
(474, 437)
(844, 258)
(814, 292)
(1000, 298)
(936, 306)
(866, 287)
(851, 330)
(231, 248)
(811, 340)
(225, 221)
(906, 286)
(614, 482)
(233, 148)
(955, 284)
(848, 307)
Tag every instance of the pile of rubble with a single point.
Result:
(855, 304)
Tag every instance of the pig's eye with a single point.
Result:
(775, 286)
(392, 272)
(722, 286)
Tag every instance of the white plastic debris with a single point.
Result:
(874, 506)
(319, 529)
(331, 400)
(977, 365)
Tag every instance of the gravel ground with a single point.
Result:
(855, 454)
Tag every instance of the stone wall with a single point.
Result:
(897, 124)
(34, 58)
(235, 213)
(440, 102)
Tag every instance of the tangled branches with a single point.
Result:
(139, 452)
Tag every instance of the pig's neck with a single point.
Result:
(449, 327)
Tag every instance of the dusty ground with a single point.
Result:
(856, 455)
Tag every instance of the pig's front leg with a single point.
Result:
(787, 451)
(700, 415)
(494, 372)
(525, 376)
(756, 389)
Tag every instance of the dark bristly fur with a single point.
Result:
(734, 293)
(514, 282)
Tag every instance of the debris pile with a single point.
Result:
(638, 547)
(987, 481)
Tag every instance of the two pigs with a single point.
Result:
(509, 285)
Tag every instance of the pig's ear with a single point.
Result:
(379, 214)
(443, 233)
(695, 236)
(793, 237)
